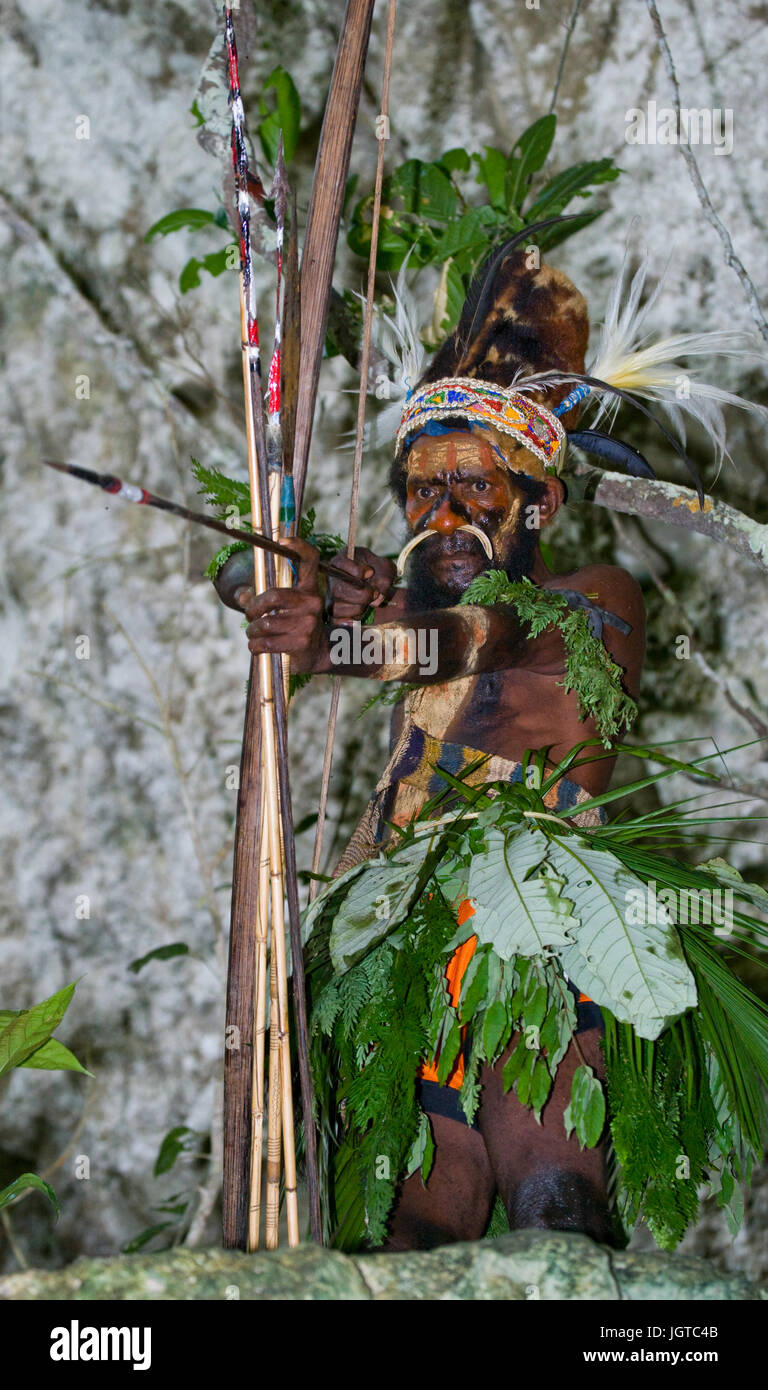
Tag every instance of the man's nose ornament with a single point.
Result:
(422, 536)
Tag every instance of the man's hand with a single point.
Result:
(288, 620)
(349, 602)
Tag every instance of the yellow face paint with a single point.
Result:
(455, 480)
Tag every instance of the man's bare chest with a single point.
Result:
(501, 712)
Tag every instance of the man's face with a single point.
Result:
(455, 479)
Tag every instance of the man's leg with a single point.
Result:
(455, 1204)
(546, 1180)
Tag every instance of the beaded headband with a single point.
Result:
(503, 408)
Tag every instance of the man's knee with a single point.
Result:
(419, 1233)
(557, 1200)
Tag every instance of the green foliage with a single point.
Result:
(428, 214)
(175, 948)
(179, 1141)
(191, 218)
(215, 263)
(376, 1016)
(285, 117)
(328, 545)
(22, 1183)
(26, 1032)
(223, 494)
(54, 1056)
(686, 1100)
(176, 1142)
(662, 1125)
(26, 1041)
(176, 1207)
(585, 1111)
(230, 499)
(589, 669)
(278, 93)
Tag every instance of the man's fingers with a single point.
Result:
(277, 639)
(308, 558)
(277, 601)
(346, 611)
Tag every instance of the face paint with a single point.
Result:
(454, 481)
(456, 493)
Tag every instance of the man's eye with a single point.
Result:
(423, 492)
(480, 485)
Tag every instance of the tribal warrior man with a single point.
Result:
(475, 495)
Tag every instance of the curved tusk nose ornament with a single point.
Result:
(422, 536)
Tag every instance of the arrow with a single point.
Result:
(130, 493)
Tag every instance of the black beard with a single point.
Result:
(425, 592)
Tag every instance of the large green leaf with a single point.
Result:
(637, 970)
(492, 167)
(192, 218)
(177, 1141)
(515, 915)
(377, 901)
(557, 194)
(453, 876)
(30, 1028)
(28, 1180)
(286, 118)
(527, 158)
(731, 878)
(311, 915)
(54, 1056)
(586, 1110)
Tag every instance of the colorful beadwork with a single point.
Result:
(509, 411)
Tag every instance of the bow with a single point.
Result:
(264, 860)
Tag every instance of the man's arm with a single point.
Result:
(423, 647)
(433, 645)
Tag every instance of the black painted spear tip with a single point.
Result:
(86, 474)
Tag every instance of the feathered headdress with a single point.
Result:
(515, 366)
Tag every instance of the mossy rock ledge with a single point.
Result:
(519, 1266)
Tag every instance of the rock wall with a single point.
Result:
(520, 1267)
(119, 749)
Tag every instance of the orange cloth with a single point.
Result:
(454, 975)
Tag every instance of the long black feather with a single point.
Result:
(613, 450)
(482, 291)
(676, 445)
(632, 400)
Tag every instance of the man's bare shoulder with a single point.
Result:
(613, 588)
(609, 586)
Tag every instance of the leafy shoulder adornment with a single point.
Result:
(589, 668)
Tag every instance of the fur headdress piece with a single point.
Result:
(514, 365)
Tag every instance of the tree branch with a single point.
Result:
(672, 504)
(731, 259)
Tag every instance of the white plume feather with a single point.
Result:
(628, 359)
(397, 339)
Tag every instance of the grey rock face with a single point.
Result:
(120, 753)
